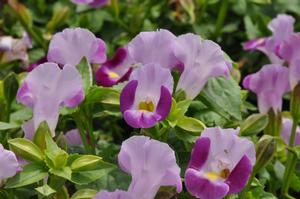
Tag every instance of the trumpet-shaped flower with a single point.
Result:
(287, 130)
(147, 98)
(8, 163)
(92, 3)
(151, 164)
(220, 164)
(202, 59)
(282, 29)
(72, 44)
(269, 84)
(48, 87)
(154, 47)
(115, 70)
(290, 51)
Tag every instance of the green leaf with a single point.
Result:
(84, 194)
(45, 190)
(85, 162)
(10, 87)
(7, 126)
(31, 173)
(191, 124)
(259, 193)
(40, 135)
(64, 172)
(85, 70)
(26, 149)
(254, 124)
(102, 95)
(177, 111)
(85, 177)
(60, 14)
(223, 97)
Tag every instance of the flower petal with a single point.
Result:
(8, 163)
(164, 104)
(73, 137)
(141, 119)
(203, 188)
(199, 153)
(117, 194)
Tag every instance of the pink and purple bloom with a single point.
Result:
(92, 3)
(9, 165)
(282, 29)
(147, 97)
(115, 70)
(151, 164)
(48, 87)
(202, 59)
(72, 44)
(290, 51)
(270, 84)
(221, 163)
(287, 130)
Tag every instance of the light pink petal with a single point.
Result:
(117, 194)
(8, 163)
(287, 130)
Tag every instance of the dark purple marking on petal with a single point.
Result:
(128, 95)
(164, 104)
(203, 188)
(103, 78)
(239, 176)
(118, 58)
(36, 64)
(199, 153)
(141, 119)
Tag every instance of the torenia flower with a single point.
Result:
(48, 87)
(151, 164)
(269, 84)
(115, 70)
(220, 164)
(8, 163)
(154, 47)
(72, 44)
(282, 29)
(290, 51)
(92, 3)
(202, 59)
(287, 129)
(147, 98)
(14, 49)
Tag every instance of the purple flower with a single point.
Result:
(117, 194)
(202, 59)
(48, 87)
(290, 51)
(147, 98)
(154, 47)
(72, 44)
(220, 164)
(269, 84)
(282, 28)
(151, 164)
(8, 163)
(73, 137)
(287, 130)
(92, 3)
(115, 70)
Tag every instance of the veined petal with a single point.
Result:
(71, 45)
(202, 59)
(203, 188)
(151, 164)
(8, 163)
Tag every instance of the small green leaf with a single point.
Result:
(102, 95)
(254, 124)
(45, 190)
(84, 194)
(191, 124)
(31, 173)
(64, 172)
(7, 126)
(26, 149)
(10, 87)
(85, 71)
(85, 162)
(40, 135)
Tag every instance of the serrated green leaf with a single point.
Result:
(45, 190)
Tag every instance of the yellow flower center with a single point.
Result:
(224, 174)
(146, 106)
(113, 75)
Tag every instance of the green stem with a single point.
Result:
(82, 134)
(291, 161)
(221, 18)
